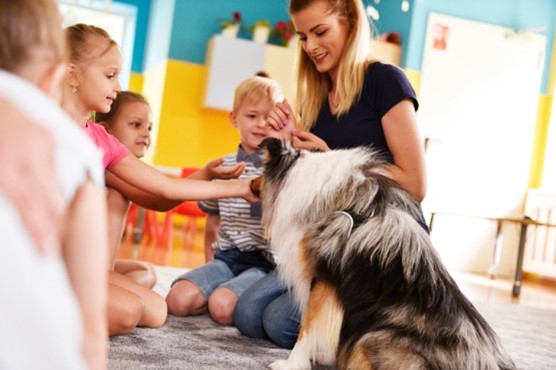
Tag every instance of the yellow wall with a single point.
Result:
(414, 78)
(189, 135)
(539, 145)
(136, 82)
(543, 122)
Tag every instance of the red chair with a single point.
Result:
(191, 211)
(149, 228)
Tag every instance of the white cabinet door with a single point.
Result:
(229, 62)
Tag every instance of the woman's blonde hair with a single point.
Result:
(87, 42)
(29, 27)
(313, 86)
(257, 87)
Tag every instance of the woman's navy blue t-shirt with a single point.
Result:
(385, 85)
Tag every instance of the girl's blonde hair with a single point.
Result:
(313, 86)
(257, 87)
(87, 42)
(29, 27)
(122, 98)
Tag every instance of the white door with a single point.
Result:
(479, 94)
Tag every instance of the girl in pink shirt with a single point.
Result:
(113, 150)
(91, 85)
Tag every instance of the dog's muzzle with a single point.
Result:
(257, 186)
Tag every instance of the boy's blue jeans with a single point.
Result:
(267, 310)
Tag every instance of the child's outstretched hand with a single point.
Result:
(215, 170)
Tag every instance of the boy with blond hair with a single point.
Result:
(241, 253)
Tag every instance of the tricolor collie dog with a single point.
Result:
(373, 291)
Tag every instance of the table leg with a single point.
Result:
(431, 220)
(519, 265)
(493, 269)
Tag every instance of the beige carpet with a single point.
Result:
(198, 343)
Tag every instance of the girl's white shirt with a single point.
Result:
(41, 325)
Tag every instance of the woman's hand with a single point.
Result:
(215, 170)
(308, 141)
(281, 120)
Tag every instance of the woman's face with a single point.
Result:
(323, 35)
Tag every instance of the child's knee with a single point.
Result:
(221, 305)
(184, 299)
(156, 314)
(126, 317)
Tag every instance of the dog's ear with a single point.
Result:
(271, 145)
(274, 149)
(280, 156)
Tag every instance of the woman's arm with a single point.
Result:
(402, 137)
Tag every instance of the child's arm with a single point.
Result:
(85, 249)
(138, 196)
(211, 233)
(149, 179)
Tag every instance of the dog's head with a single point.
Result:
(279, 158)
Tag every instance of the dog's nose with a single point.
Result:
(257, 186)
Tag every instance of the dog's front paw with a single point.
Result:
(289, 365)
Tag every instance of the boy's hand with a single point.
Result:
(215, 170)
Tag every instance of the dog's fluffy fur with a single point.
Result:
(373, 291)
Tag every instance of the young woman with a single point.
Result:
(346, 100)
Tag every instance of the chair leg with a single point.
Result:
(166, 237)
(189, 232)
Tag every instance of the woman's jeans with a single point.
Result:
(267, 310)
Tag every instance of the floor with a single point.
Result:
(189, 252)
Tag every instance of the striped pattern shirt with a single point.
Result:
(240, 221)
